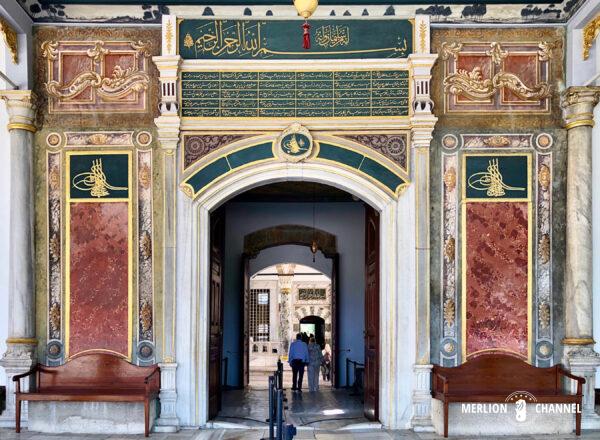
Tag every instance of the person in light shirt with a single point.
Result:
(298, 358)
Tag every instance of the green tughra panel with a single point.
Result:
(295, 94)
(282, 39)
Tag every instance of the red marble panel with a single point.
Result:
(99, 285)
(526, 67)
(496, 277)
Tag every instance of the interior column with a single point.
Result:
(21, 343)
(578, 106)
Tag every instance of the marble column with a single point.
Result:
(168, 124)
(578, 110)
(423, 122)
(21, 343)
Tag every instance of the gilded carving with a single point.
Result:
(54, 179)
(474, 86)
(146, 245)
(53, 139)
(50, 50)
(450, 178)
(544, 315)
(496, 141)
(146, 317)
(544, 249)
(98, 139)
(54, 248)
(145, 176)
(423, 36)
(449, 312)
(544, 177)
(590, 32)
(450, 49)
(496, 53)
(10, 38)
(54, 320)
(188, 191)
(97, 52)
(169, 36)
(546, 48)
(450, 249)
(188, 41)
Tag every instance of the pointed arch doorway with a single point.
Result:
(397, 305)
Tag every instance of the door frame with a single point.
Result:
(397, 299)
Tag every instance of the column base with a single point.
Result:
(421, 418)
(168, 420)
(583, 361)
(19, 358)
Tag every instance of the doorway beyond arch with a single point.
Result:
(398, 305)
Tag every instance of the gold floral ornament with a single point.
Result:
(10, 38)
(54, 318)
(146, 317)
(423, 36)
(54, 248)
(450, 178)
(491, 181)
(496, 53)
(544, 249)
(95, 181)
(590, 32)
(450, 49)
(145, 176)
(450, 249)
(449, 312)
(169, 35)
(497, 141)
(188, 41)
(146, 245)
(544, 315)
(544, 177)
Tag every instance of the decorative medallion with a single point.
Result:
(544, 177)
(544, 140)
(450, 178)
(450, 141)
(144, 138)
(295, 143)
(146, 351)
(449, 312)
(448, 347)
(450, 249)
(54, 350)
(53, 140)
(544, 349)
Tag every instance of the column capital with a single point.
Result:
(168, 131)
(578, 106)
(20, 105)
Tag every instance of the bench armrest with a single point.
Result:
(18, 377)
(147, 379)
(444, 380)
(580, 380)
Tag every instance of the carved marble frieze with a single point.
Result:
(145, 350)
(497, 76)
(196, 146)
(96, 76)
(393, 146)
(54, 255)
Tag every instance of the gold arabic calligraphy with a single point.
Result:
(491, 180)
(95, 181)
(332, 36)
(219, 38)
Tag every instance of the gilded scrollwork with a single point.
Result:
(544, 249)
(590, 32)
(449, 312)
(448, 50)
(496, 141)
(544, 315)
(496, 53)
(10, 38)
(50, 50)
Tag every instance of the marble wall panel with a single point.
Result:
(496, 278)
(99, 306)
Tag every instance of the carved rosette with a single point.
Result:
(448, 258)
(544, 253)
(145, 246)
(53, 188)
(392, 146)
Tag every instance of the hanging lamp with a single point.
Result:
(305, 9)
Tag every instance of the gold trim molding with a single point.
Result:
(578, 341)
(590, 32)
(10, 37)
(21, 126)
(32, 341)
(580, 123)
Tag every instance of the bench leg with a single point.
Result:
(578, 422)
(445, 419)
(17, 415)
(146, 418)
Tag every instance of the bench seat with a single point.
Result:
(91, 377)
(494, 378)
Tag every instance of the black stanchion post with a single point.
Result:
(279, 415)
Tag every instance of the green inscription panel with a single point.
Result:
(294, 94)
(282, 39)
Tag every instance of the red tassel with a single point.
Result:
(306, 28)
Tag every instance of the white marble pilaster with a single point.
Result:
(168, 124)
(423, 122)
(578, 106)
(21, 343)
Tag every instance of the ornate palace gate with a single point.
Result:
(244, 105)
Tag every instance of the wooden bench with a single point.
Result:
(93, 377)
(492, 378)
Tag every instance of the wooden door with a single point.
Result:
(335, 268)
(371, 375)
(245, 343)
(215, 344)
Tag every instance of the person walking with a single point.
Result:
(298, 358)
(314, 364)
(326, 363)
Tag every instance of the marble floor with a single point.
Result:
(257, 434)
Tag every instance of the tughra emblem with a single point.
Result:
(95, 181)
(491, 181)
(295, 143)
